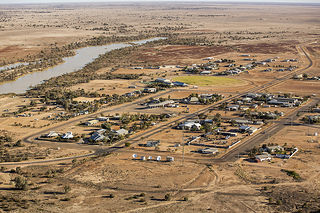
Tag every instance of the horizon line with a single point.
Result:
(277, 2)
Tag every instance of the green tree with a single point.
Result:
(207, 127)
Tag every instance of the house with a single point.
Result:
(67, 135)
(103, 119)
(162, 80)
(241, 121)
(52, 134)
(298, 76)
(206, 96)
(168, 66)
(232, 107)
(180, 84)
(153, 143)
(193, 100)
(247, 99)
(97, 137)
(263, 157)
(208, 58)
(244, 107)
(161, 104)
(91, 122)
(244, 128)
(130, 94)
(121, 132)
(170, 159)
(150, 90)
(205, 73)
(208, 151)
(190, 125)
(272, 149)
(252, 130)
(317, 110)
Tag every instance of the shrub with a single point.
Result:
(142, 194)
(279, 202)
(67, 189)
(292, 174)
(21, 183)
(185, 198)
(167, 197)
(127, 144)
(270, 199)
(142, 200)
(112, 196)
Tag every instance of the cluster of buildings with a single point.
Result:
(168, 82)
(274, 151)
(52, 134)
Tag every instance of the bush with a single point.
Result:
(67, 189)
(292, 174)
(279, 202)
(142, 200)
(21, 183)
(127, 144)
(167, 197)
(142, 194)
(185, 198)
(270, 199)
(112, 196)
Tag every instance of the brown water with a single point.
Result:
(83, 56)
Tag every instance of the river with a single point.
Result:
(83, 56)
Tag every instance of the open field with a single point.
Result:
(58, 178)
(208, 81)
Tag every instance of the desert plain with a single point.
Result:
(77, 175)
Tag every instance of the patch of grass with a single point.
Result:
(206, 80)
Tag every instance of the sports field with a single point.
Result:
(208, 80)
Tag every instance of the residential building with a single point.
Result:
(208, 151)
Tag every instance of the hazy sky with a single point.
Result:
(59, 1)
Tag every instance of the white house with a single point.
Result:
(190, 125)
(103, 118)
(232, 108)
(52, 134)
(67, 135)
(263, 157)
(209, 151)
(121, 132)
(150, 90)
(205, 73)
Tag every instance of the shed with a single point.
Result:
(91, 122)
(263, 157)
(170, 159)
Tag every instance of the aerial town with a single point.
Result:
(159, 107)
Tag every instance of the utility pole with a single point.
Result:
(183, 146)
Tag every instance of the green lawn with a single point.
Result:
(207, 80)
